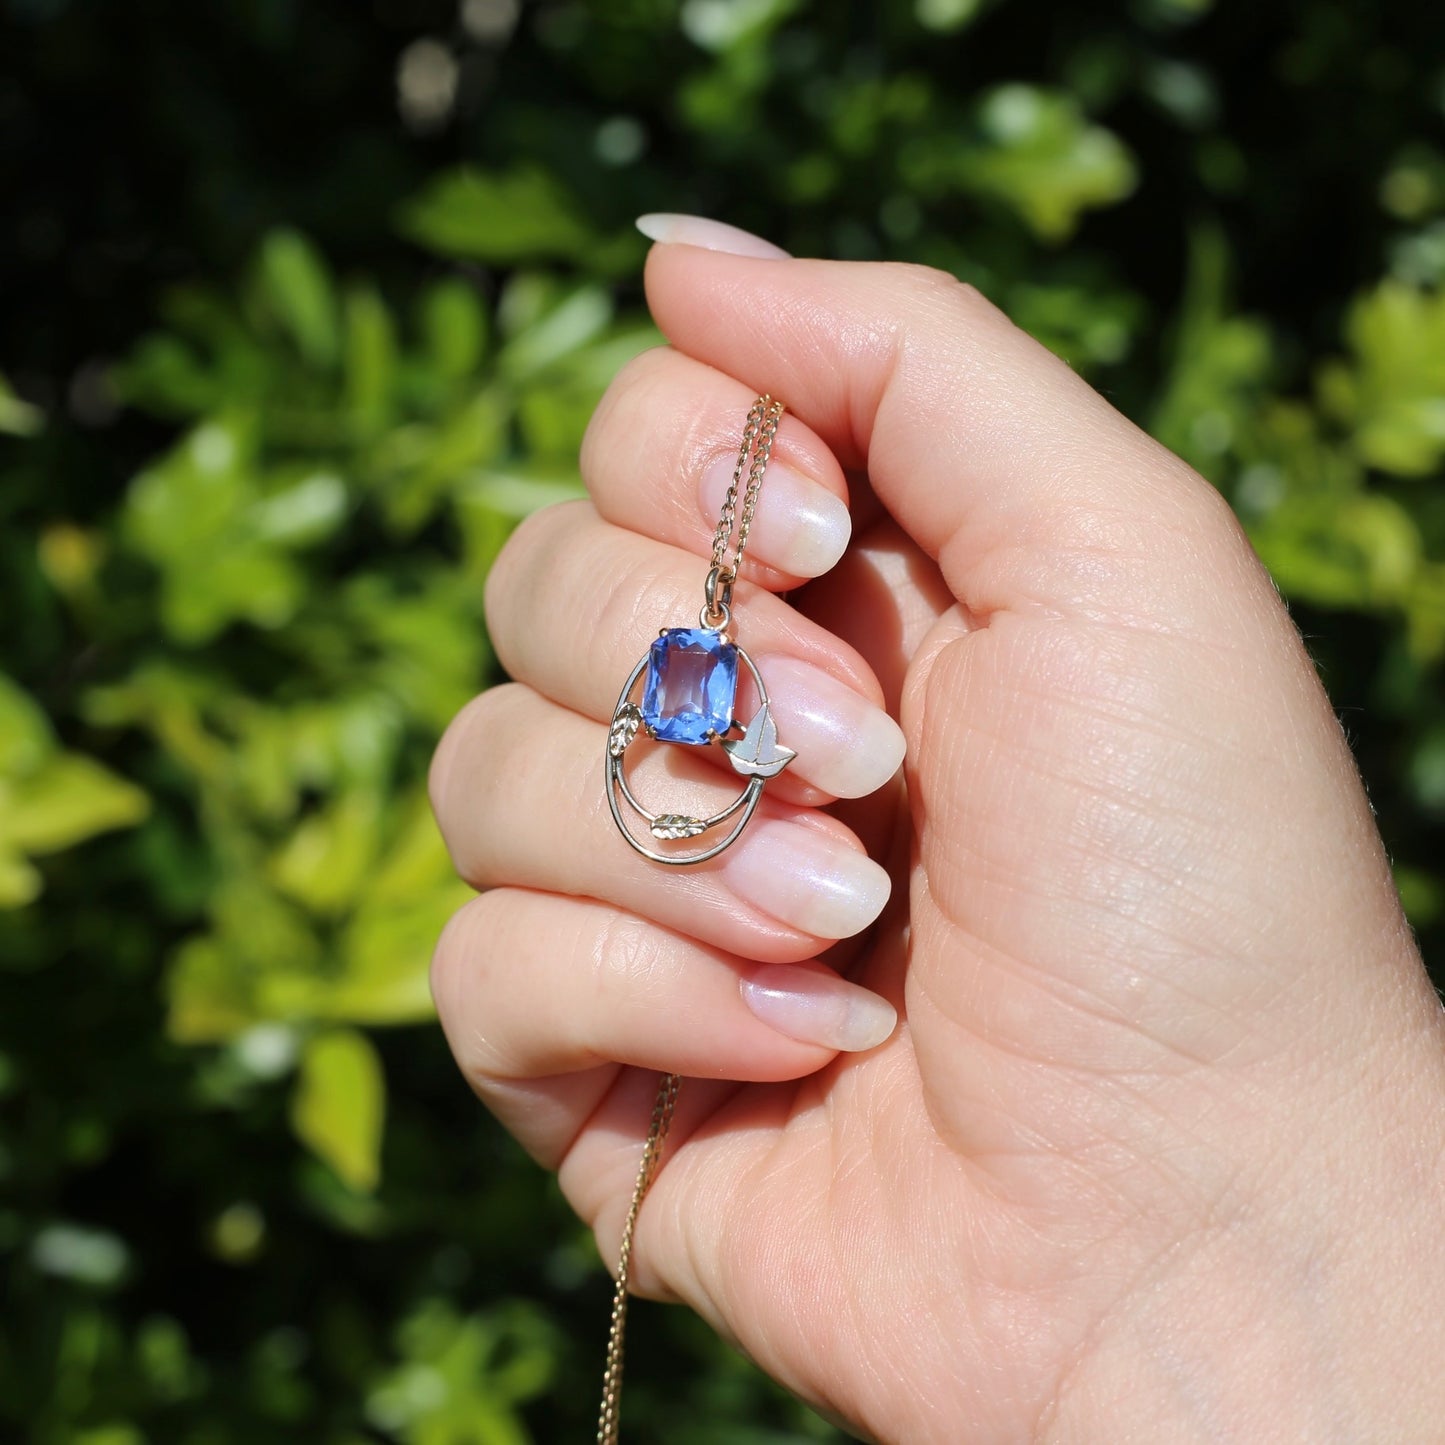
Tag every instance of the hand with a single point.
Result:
(1154, 1152)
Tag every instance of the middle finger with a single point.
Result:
(573, 602)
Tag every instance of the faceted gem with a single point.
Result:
(692, 682)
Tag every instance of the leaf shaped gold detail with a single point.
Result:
(624, 728)
(758, 753)
(677, 825)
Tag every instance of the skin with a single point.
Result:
(1154, 1152)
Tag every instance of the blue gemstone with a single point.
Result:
(692, 682)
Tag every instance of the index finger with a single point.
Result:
(662, 448)
(1031, 492)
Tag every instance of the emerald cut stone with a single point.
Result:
(692, 683)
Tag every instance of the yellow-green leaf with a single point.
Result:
(209, 998)
(25, 735)
(325, 862)
(67, 799)
(18, 418)
(370, 360)
(500, 217)
(1392, 393)
(298, 286)
(339, 1105)
(19, 882)
(1036, 152)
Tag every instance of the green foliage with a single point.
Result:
(321, 425)
(1039, 156)
(1391, 396)
(337, 1107)
(1317, 479)
(461, 1380)
(49, 798)
(18, 418)
(522, 216)
(279, 378)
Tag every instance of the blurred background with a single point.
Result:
(301, 307)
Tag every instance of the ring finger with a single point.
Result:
(506, 784)
(542, 997)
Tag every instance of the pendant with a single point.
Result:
(690, 681)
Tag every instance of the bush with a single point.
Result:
(307, 306)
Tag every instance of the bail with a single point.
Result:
(718, 589)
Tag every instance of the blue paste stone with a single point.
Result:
(692, 682)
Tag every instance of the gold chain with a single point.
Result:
(758, 434)
(666, 1101)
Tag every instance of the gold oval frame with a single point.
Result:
(618, 788)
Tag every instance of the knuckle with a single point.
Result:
(931, 287)
(1196, 515)
(623, 953)
(1211, 511)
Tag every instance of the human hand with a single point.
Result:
(1155, 1150)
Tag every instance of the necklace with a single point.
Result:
(691, 680)
(691, 677)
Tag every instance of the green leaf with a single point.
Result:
(580, 317)
(325, 862)
(297, 286)
(1220, 363)
(500, 217)
(25, 735)
(454, 327)
(209, 999)
(1363, 551)
(517, 492)
(471, 436)
(1392, 392)
(1036, 153)
(220, 532)
(946, 15)
(308, 512)
(261, 962)
(339, 1105)
(18, 418)
(370, 360)
(67, 799)
(81, 1253)
(462, 1378)
(19, 882)
(165, 376)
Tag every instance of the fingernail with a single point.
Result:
(800, 527)
(845, 745)
(711, 235)
(818, 1008)
(805, 878)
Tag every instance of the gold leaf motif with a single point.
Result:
(677, 825)
(624, 728)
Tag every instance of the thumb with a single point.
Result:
(1029, 490)
(1136, 789)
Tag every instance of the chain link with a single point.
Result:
(666, 1101)
(753, 455)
